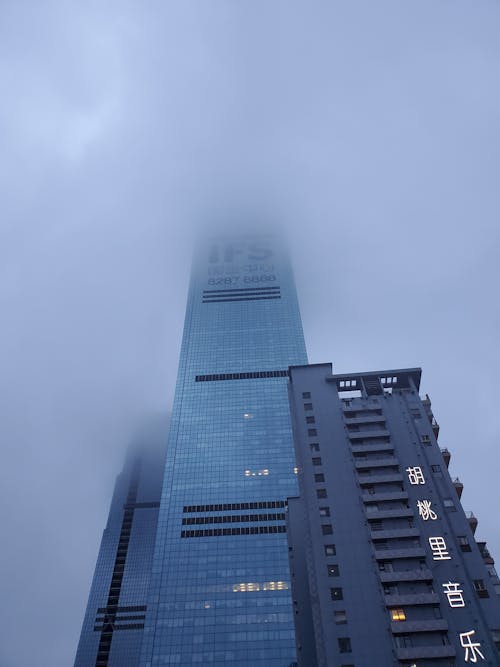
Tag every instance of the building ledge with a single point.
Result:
(375, 463)
(416, 652)
(430, 625)
(414, 599)
(422, 574)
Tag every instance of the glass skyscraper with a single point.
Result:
(114, 619)
(220, 589)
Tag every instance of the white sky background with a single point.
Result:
(370, 128)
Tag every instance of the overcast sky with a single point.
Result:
(371, 128)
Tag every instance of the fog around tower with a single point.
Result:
(367, 132)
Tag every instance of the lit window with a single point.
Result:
(296, 470)
(398, 615)
(247, 415)
(324, 511)
(330, 550)
(257, 473)
(336, 594)
(314, 446)
(333, 570)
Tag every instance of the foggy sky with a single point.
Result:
(370, 128)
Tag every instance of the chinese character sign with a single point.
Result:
(454, 594)
(439, 549)
(425, 511)
(415, 475)
(472, 649)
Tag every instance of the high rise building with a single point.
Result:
(114, 619)
(385, 567)
(304, 516)
(220, 585)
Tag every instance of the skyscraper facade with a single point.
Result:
(385, 567)
(112, 629)
(220, 586)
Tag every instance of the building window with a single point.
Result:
(308, 406)
(310, 420)
(436, 468)
(333, 570)
(312, 432)
(376, 525)
(336, 594)
(319, 477)
(324, 511)
(415, 413)
(372, 507)
(480, 588)
(306, 394)
(448, 503)
(344, 645)
(316, 461)
(321, 493)
(404, 641)
(326, 528)
(425, 439)
(398, 615)
(340, 617)
(314, 446)
(463, 543)
(330, 550)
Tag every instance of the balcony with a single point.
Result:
(401, 513)
(416, 652)
(472, 521)
(459, 487)
(413, 599)
(422, 574)
(393, 554)
(366, 419)
(361, 464)
(446, 455)
(368, 480)
(435, 427)
(368, 435)
(487, 557)
(372, 447)
(394, 534)
(430, 625)
(389, 495)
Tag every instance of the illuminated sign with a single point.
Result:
(415, 475)
(425, 511)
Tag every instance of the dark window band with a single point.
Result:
(241, 289)
(223, 532)
(248, 298)
(232, 518)
(224, 507)
(252, 375)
